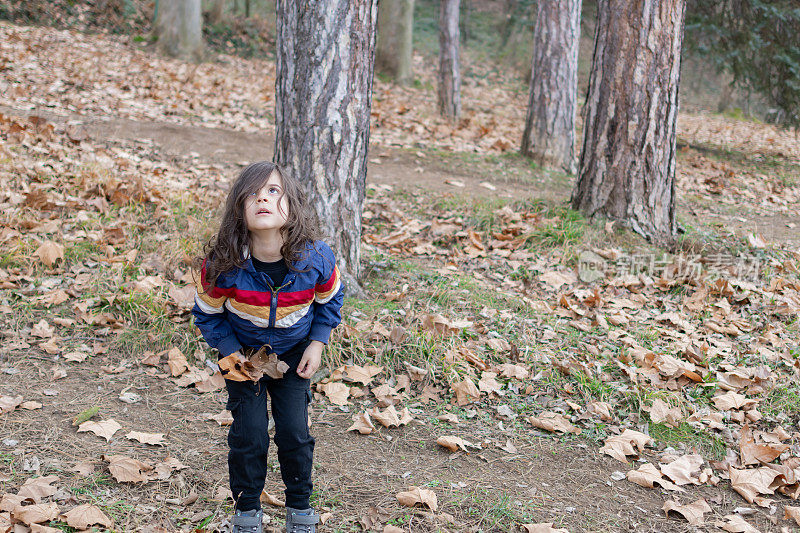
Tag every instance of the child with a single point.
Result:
(267, 280)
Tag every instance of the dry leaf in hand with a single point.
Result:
(692, 512)
(105, 429)
(417, 496)
(85, 516)
(362, 424)
(234, 369)
(264, 363)
(553, 422)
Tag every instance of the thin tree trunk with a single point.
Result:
(394, 53)
(325, 52)
(179, 28)
(216, 11)
(449, 93)
(549, 135)
(627, 167)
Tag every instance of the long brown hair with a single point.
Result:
(224, 251)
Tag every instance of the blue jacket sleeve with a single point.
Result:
(328, 295)
(211, 318)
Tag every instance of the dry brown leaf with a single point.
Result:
(466, 392)
(37, 488)
(177, 362)
(661, 412)
(165, 468)
(417, 496)
(76, 357)
(510, 370)
(448, 417)
(30, 405)
(792, 513)
(269, 499)
(357, 374)
(555, 279)
(620, 446)
(262, 363)
(35, 514)
(49, 252)
(42, 329)
(362, 424)
(731, 400)
(752, 483)
(153, 439)
(336, 392)
(223, 418)
(648, 476)
(105, 429)
(151, 359)
(684, 470)
(211, 384)
(443, 326)
(543, 527)
(38, 528)
(735, 524)
(692, 512)
(87, 515)
(9, 403)
(488, 383)
(601, 409)
(414, 372)
(753, 454)
(387, 418)
(126, 469)
(553, 422)
(452, 443)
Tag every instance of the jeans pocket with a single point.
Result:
(232, 404)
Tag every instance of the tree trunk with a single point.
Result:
(549, 135)
(394, 52)
(449, 93)
(179, 28)
(627, 166)
(325, 52)
(216, 11)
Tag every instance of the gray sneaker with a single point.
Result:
(301, 520)
(248, 521)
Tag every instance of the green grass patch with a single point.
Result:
(707, 444)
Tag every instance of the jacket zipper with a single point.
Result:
(273, 303)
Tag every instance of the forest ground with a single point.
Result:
(437, 200)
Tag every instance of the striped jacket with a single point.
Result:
(244, 310)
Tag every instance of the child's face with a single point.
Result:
(268, 208)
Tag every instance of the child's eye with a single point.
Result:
(274, 190)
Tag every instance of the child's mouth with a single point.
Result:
(264, 212)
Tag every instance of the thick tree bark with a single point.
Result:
(325, 51)
(179, 28)
(395, 48)
(627, 166)
(549, 135)
(449, 92)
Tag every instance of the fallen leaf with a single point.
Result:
(543, 527)
(684, 470)
(30, 405)
(336, 392)
(731, 400)
(620, 446)
(35, 514)
(105, 429)
(269, 499)
(466, 392)
(510, 370)
(362, 424)
(452, 443)
(553, 422)
(648, 476)
(692, 512)
(126, 469)
(735, 524)
(417, 496)
(752, 483)
(153, 439)
(661, 412)
(9, 403)
(87, 515)
(792, 513)
(38, 488)
(42, 330)
(223, 418)
(49, 252)
(211, 384)
(448, 417)
(177, 362)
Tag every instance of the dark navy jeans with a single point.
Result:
(249, 441)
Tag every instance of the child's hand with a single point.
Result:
(312, 357)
